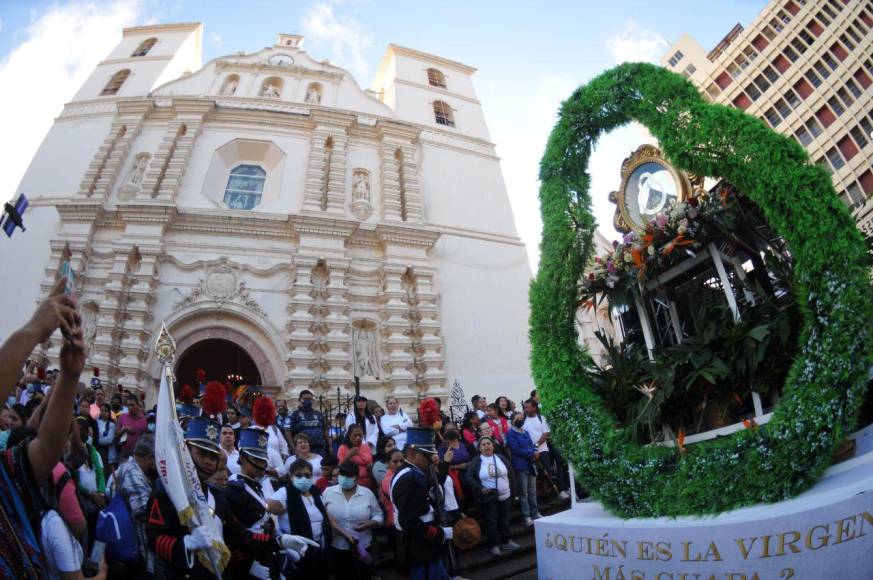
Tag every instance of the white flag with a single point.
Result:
(179, 476)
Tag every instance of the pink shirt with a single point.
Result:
(68, 503)
(385, 498)
(137, 427)
(364, 459)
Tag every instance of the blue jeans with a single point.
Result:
(527, 493)
(433, 571)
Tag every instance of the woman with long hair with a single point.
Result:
(384, 446)
(470, 427)
(354, 449)
(360, 415)
(504, 407)
(106, 437)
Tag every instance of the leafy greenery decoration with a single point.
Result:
(825, 386)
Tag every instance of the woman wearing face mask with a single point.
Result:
(365, 420)
(524, 454)
(355, 450)
(303, 451)
(300, 508)
(353, 512)
(488, 475)
(106, 437)
(457, 454)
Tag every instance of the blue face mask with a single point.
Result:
(151, 427)
(346, 482)
(302, 483)
(306, 404)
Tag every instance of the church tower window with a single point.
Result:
(443, 115)
(244, 187)
(144, 48)
(436, 78)
(114, 84)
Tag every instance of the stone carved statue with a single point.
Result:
(270, 91)
(230, 87)
(361, 206)
(320, 277)
(89, 327)
(313, 95)
(366, 361)
(362, 186)
(134, 179)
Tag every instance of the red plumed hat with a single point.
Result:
(201, 375)
(428, 413)
(186, 395)
(264, 412)
(214, 398)
(40, 373)
(96, 371)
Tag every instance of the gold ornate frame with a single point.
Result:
(643, 154)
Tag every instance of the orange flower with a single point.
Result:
(676, 242)
(680, 440)
(637, 255)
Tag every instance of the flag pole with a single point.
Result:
(175, 466)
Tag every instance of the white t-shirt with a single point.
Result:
(233, 462)
(316, 520)
(392, 425)
(63, 553)
(314, 460)
(493, 475)
(450, 502)
(535, 427)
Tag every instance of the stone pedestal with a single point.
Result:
(826, 532)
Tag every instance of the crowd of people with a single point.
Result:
(297, 494)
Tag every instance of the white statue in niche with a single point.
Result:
(360, 206)
(270, 91)
(313, 95)
(134, 179)
(366, 361)
(361, 186)
(230, 87)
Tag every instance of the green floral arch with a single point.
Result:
(825, 386)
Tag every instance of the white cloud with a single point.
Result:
(636, 44)
(344, 36)
(57, 52)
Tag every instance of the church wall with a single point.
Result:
(24, 258)
(64, 155)
(483, 303)
(465, 190)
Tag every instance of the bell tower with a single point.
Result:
(146, 57)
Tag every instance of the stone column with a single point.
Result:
(109, 159)
(168, 164)
(401, 190)
(325, 189)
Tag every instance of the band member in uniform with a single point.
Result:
(420, 538)
(248, 499)
(175, 544)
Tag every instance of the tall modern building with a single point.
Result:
(291, 228)
(805, 68)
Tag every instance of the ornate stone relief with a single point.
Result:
(365, 350)
(90, 314)
(361, 206)
(222, 284)
(133, 183)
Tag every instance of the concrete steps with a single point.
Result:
(479, 564)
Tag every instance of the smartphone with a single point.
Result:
(97, 552)
(66, 269)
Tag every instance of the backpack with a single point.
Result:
(115, 528)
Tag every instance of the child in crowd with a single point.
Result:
(337, 432)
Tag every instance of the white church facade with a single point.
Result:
(281, 220)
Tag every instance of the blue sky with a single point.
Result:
(530, 56)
